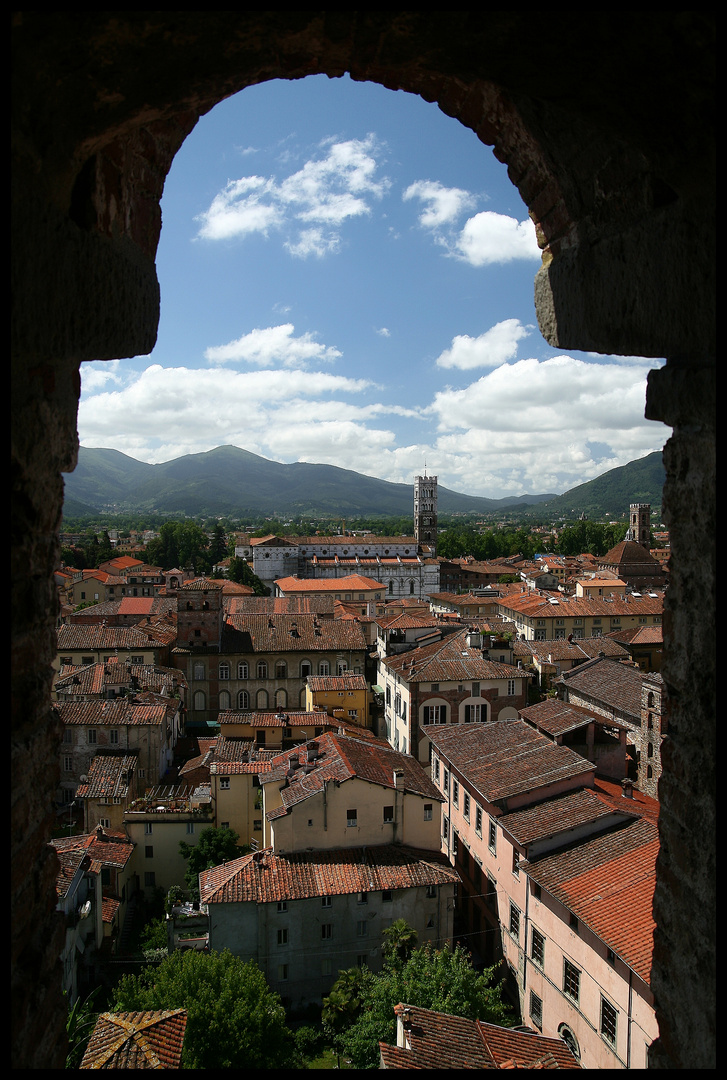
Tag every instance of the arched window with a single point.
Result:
(650, 750)
(198, 670)
(341, 667)
(199, 703)
(261, 701)
(281, 670)
(225, 699)
(570, 1040)
(242, 671)
(411, 588)
(650, 700)
(224, 671)
(391, 588)
(301, 699)
(243, 700)
(324, 668)
(306, 669)
(262, 669)
(281, 699)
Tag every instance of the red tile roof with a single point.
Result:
(436, 1040)
(507, 757)
(264, 877)
(137, 1040)
(342, 758)
(608, 883)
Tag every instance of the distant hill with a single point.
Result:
(232, 482)
(639, 481)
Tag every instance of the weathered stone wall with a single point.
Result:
(605, 123)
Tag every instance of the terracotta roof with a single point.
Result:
(608, 682)
(120, 711)
(561, 814)
(200, 585)
(341, 758)
(336, 682)
(449, 659)
(110, 774)
(612, 793)
(536, 605)
(608, 883)
(285, 633)
(281, 605)
(506, 757)
(579, 649)
(437, 1040)
(70, 861)
(354, 582)
(109, 847)
(137, 1040)
(264, 877)
(556, 717)
(86, 679)
(74, 636)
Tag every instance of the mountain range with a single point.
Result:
(231, 482)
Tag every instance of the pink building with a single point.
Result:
(557, 879)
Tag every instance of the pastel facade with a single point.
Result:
(306, 916)
(538, 617)
(338, 791)
(452, 681)
(557, 882)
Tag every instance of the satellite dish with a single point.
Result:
(83, 778)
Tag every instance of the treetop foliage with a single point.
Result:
(234, 1019)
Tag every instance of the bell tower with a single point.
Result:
(640, 524)
(425, 511)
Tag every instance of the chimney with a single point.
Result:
(628, 788)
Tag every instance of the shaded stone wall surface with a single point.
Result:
(605, 122)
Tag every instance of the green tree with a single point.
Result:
(439, 979)
(399, 941)
(80, 1022)
(218, 545)
(234, 1019)
(214, 846)
(239, 570)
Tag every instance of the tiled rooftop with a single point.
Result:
(110, 774)
(341, 758)
(555, 717)
(438, 1040)
(557, 816)
(449, 660)
(263, 877)
(285, 633)
(137, 1040)
(112, 713)
(608, 682)
(608, 883)
(505, 758)
(354, 582)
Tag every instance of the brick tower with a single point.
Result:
(425, 511)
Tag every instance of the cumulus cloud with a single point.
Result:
(442, 205)
(494, 347)
(273, 345)
(489, 238)
(309, 207)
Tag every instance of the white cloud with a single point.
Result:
(489, 238)
(99, 373)
(273, 345)
(442, 205)
(383, 332)
(238, 210)
(494, 347)
(322, 195)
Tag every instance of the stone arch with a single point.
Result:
(606, 126)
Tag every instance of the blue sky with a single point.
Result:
(347, 278)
